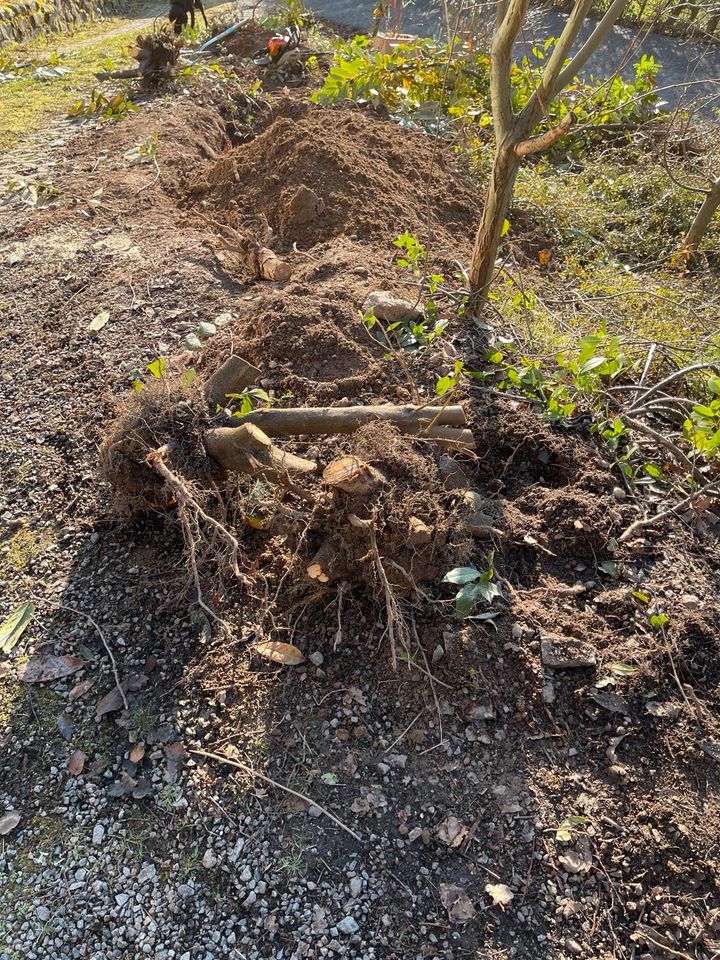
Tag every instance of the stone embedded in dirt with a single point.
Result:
(478, 517)
(300, 207)
(561, 653)
(8, 822)
(316, 658)
(452, 474)
(420, 532)
(391, 309)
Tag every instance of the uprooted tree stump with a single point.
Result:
(157, 54)
(377, 513)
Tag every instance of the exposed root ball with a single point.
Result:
(163, 413)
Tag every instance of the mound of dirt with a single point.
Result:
(315, 174)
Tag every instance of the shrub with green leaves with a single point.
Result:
(474, 585)
(446, 88)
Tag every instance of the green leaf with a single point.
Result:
(653, 470)
(505, 227)
(592, 364)
(642, 597)
(330, 779)
(188, 376)
(461, 575)
(259, 394)
(609, 566)
(658, 620)
(157, 367)
(466, 599)
(488, 591)
(15, 625)
(443, 385)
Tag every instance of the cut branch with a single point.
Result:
(232, 377)
(246, 449)
(334, 420)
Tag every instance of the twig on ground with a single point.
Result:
(407, 729)
(274, 783)
(710, 488)
(664, 442)
(430, 676)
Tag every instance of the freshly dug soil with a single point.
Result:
(315, 174)
(499, 740)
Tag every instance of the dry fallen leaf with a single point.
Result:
(500, 893)
(99, 321)
(8, 822)
(576, 861)
(285, 653)
(456, 902)
(46, 666)
(137, 753)
(177, 757)
(80, 689)
(452, 832)
(670, 711)
(109, 704)
(76, 762)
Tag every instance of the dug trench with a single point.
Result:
(513, 788)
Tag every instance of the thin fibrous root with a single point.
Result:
(397, 628)
(190, 514)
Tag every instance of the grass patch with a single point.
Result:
(26, 105)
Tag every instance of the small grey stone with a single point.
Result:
(147, 873)
(348, 926)
(98, 833)
(316, 658)
(314, 811)
(192, 343)
(121, 899)
(43, 914)
(206, 330)
(209, 859)
(438, 654)
(185, 891)
(356, 886)
(619, 493)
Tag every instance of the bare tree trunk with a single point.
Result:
(700, 224)
(513, 131)
(497, 204)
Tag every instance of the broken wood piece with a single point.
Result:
(269, 266)
(263, 261)
(232, 377)
(333, 420)
(352, 476)
(130, 74)
(246, 449)
(320, 568)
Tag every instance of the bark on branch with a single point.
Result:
(544, 140)
(333, 420)
(246, 449)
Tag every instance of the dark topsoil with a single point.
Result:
(522, 747)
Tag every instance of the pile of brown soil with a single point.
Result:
(316, 173)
